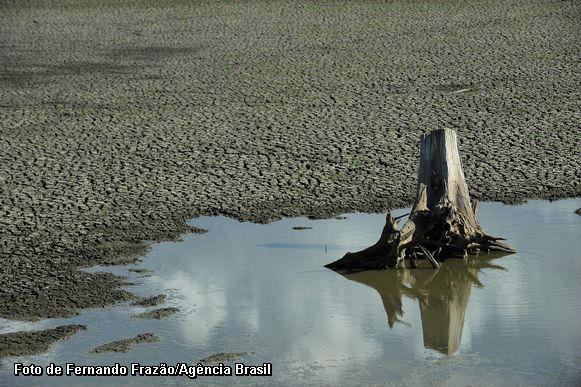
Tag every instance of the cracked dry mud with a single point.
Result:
(34, 342)
(151, 301)
(157, 314)
(125, 345)
(118, 122)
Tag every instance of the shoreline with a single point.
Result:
(173, 280)
(120, 123)
(104, 289)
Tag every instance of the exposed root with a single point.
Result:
(442, 223)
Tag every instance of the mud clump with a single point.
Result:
(125, 345)
(223, 357)
(35, 342)
(157, 314)
(143, 273)
(139, 270)
(151, 301)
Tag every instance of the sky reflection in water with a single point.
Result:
(263, 289)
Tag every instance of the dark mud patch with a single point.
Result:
(578, 211)
(125, 345)
(86, 67)
(150, 53)
(35, 342)
(223, 357)
(157, 314)
(151, 301)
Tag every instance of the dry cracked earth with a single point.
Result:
(121, 120)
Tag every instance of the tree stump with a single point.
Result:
(442, 223)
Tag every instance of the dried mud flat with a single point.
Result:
(120, 122)
(35, 342)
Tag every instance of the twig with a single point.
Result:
(401, 216)
(430, 256)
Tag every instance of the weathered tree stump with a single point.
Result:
(442, 223)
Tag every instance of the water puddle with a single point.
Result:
(262, 290)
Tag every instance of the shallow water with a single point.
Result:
(243, 287)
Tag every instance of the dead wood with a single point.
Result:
(442, 223)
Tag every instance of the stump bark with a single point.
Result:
(442, 223)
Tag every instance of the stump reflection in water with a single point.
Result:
(442, 296)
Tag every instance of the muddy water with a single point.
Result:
(262, 289)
